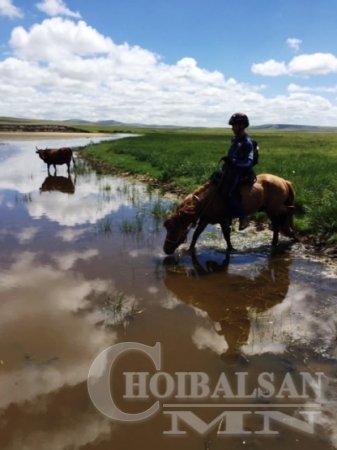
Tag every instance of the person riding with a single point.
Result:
(238, 166)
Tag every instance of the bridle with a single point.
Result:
(176, 242)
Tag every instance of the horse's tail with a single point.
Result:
(287, 226)
(291, 194)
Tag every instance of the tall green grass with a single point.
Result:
(186, 159)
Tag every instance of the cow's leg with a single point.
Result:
(68, 165)
(54, 168)
(226, 231)
(200, 228)
(74, 164)
(48, 165)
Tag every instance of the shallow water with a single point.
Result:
(82, 269)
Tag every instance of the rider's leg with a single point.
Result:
(235, 204)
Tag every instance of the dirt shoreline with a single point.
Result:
(40, 135)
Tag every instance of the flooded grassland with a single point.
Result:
(237, 351)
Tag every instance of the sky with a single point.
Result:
(170, 62)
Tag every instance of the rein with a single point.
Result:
(174, 242)
(204, 206)
(197, 216)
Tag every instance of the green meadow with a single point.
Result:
(184, 159)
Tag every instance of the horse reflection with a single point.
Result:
(58, 183)
(229, 299)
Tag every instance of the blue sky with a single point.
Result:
(180, 62)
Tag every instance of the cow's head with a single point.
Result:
(40, 152)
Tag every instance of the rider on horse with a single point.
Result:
(238, 166)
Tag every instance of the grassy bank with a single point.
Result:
(186, 158)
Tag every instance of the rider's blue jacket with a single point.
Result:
(241, 152)
(238, 164)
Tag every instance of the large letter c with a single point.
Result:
(99, 380)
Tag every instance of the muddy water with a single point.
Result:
(82, 270)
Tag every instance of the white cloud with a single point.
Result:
(292, 87)
(294, 43)
(89, 74)
(62, 68)
(270, 68)
(314, 64)
(56, 39)
(301, 65)
(7, 8)
(56, 8)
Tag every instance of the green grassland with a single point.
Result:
(185, 158)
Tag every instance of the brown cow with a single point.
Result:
(56, 156)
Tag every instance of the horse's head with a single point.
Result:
(177, 228)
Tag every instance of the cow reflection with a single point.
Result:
(229, 298)
(58, 183)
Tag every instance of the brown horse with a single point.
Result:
(269, 193)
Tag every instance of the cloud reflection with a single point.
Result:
(46, 343)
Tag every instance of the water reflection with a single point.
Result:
(67, 283)
(47, 347)
(229, 299)
(59, 183)
(43, 300)
(21, 170)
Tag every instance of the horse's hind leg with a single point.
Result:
(283, 223)
(274, 242)
(287, 226)
(275, 220)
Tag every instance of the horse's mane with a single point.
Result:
(191, 202)
(201, 189)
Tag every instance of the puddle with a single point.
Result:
(82, 269)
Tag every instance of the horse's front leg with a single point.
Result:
(226, 231)
(200, 228)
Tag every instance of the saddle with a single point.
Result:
(219, 178)
(250, 178)
(222, 181)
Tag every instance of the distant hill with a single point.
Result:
(108, 123)
(288, 127)
(13, 124)
(278, 126)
